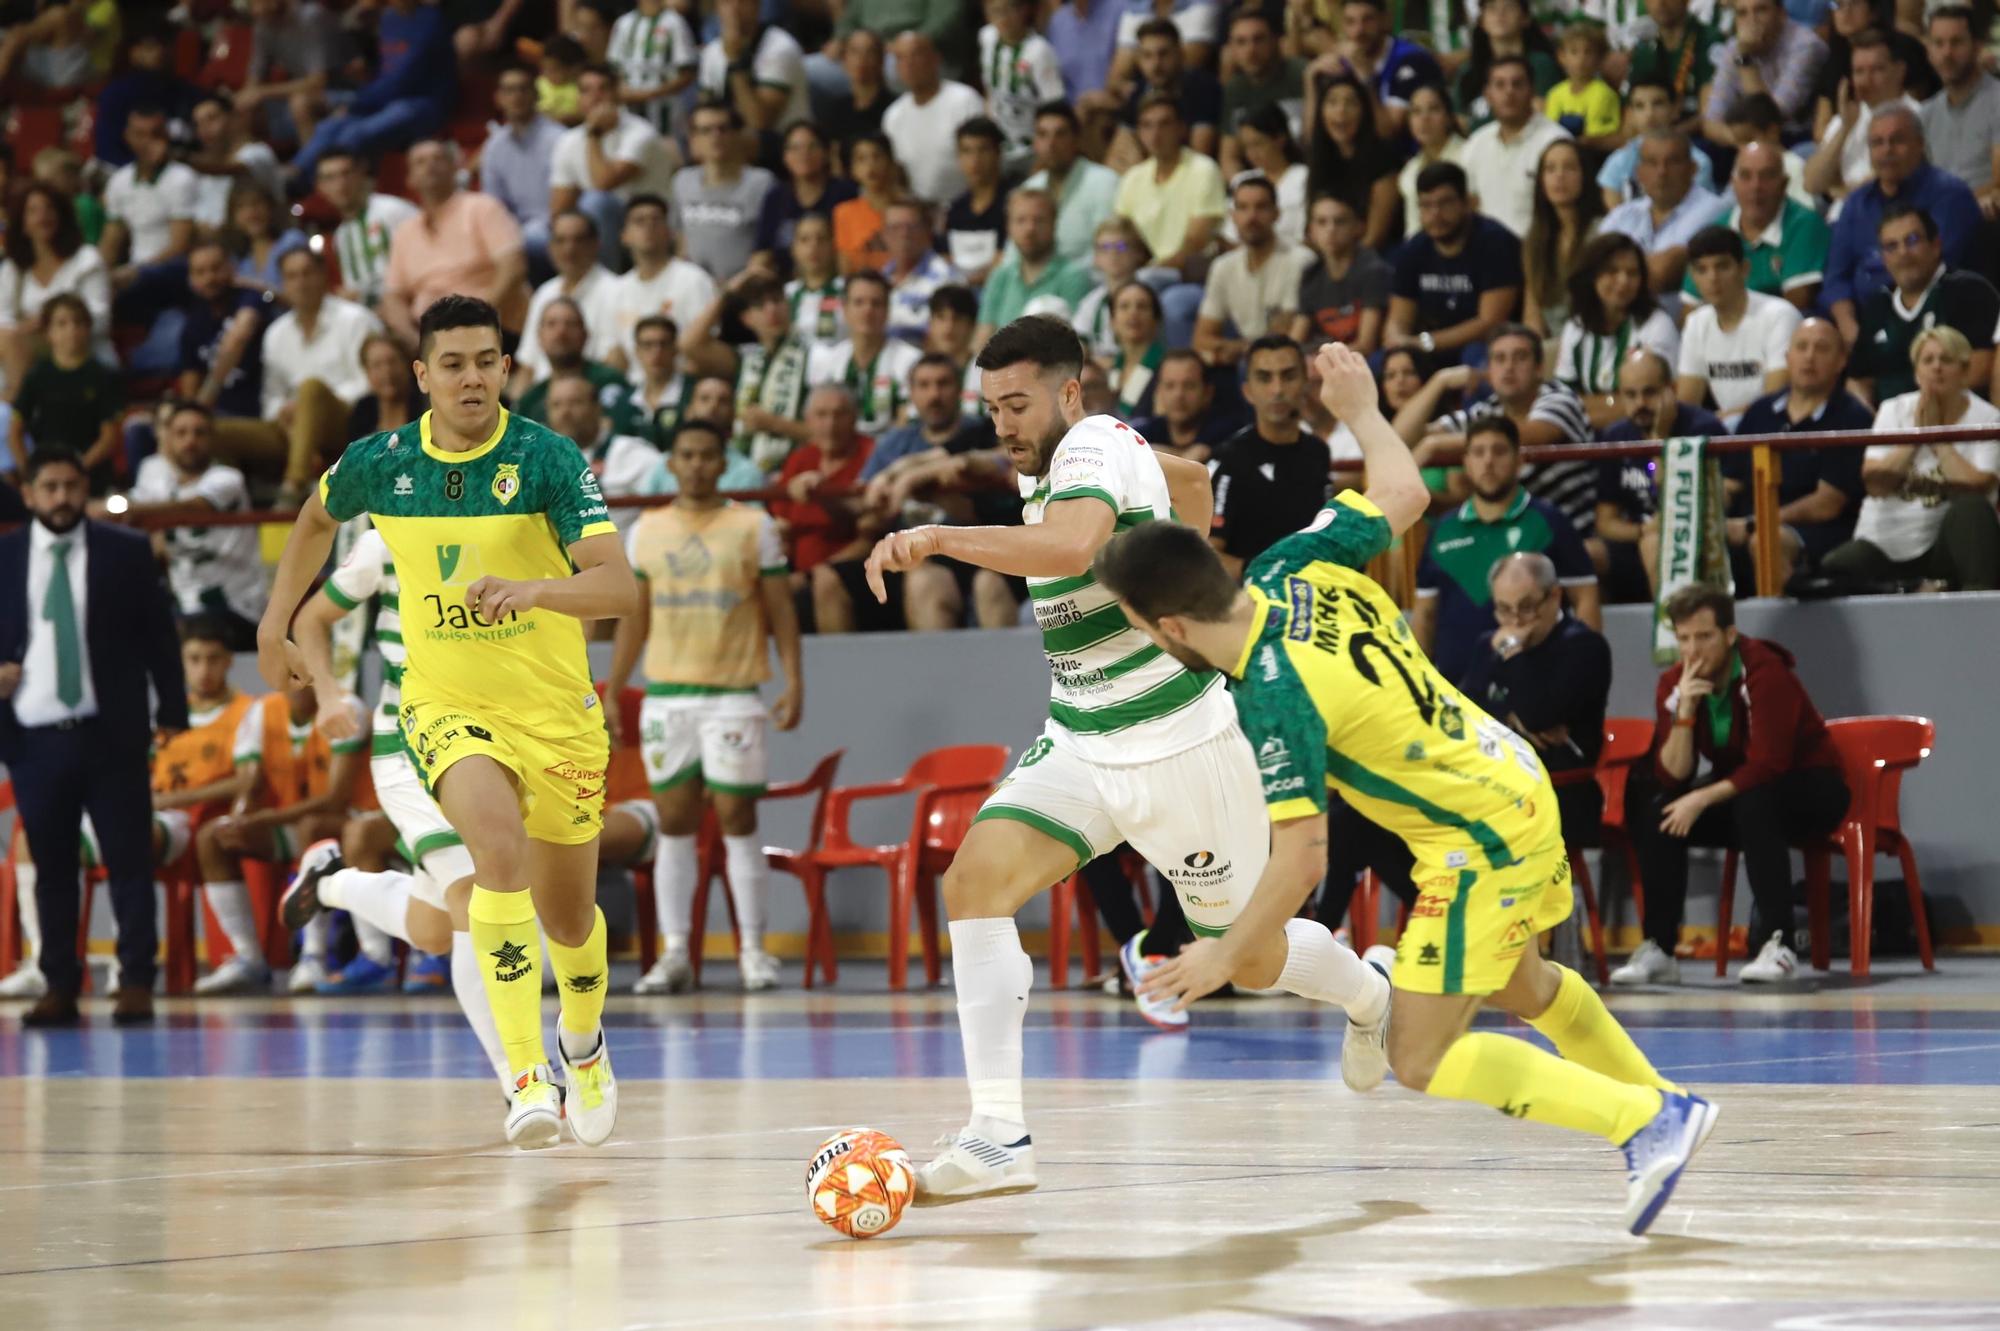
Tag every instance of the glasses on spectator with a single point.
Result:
(1113, 246)
(1909, 244)
(652, 343)
(1523, 613)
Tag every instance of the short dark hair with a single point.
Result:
(1247, 13)
(865, 277)
(1248, 179)
(1153, 101)
(1188, 354)
(979, 127)
(1380, 6)
(1511, 329)
(1163, 568)
(1498, 423)
(220, 96)
(1272, 342)
(1957, 13)
(647, 201)
(181, 406)
(1062, 111)
(1898, 212)
(1717, 242)
(1760, 111)
(1691, 600)
(935, 360)
(1438, 175)
(1501, 62)
(1043, 340)
(1650, 80)
(455, 311)
(688, 427)
(953, 298)
(294, 253)
(207, 628)
(576, 215)
(362, 164)
(564, 49)
(718, 106)
(1872, 37)
(66, 300)
(1158, 27)
(756, 291)
(48, 455)
(660, 321)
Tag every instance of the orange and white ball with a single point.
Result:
(859, 1181)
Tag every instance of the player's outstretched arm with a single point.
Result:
(1190, 490)
(1060, 546)
(601, 588)
(1394, 484)
(305, 554)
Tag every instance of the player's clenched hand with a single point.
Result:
(340, 712)
(899, 552)
(496, 598)
(1347, 386)
(1203, 967)
(785, 711)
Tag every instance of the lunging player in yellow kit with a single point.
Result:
(502, 544)
(1333, 694)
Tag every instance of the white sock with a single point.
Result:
(576, 1048)
(992, 974)
(380, 900)
(318, 936)
(1319, 968)
(231, 903)
(673, 888)
(30, 912)
(469, 988)
(745, 857)
(377, 946)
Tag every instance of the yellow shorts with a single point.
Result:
(1468, 929)
(560, 780)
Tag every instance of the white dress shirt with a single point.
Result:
(332, 356)
(35, 701)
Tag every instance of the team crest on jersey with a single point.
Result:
(507, 482)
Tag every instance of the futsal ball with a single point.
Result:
(859, 1181)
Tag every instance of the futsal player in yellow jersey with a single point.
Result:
(1333, 694)
(502, 544)
(717, 597)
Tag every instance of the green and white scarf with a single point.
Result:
(1693, 544)
(818, 307)
(776, 381)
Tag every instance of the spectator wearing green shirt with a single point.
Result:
(69, 399)
(1085, 192)
(1033, 278)
(563, 338)
(1784, 242)
(1680, 54)
(1264, 76)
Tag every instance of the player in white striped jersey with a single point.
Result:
(1137, 748)
(656, 54)
(426, 908)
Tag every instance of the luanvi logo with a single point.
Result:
(513, 959)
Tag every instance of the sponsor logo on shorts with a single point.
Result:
(514, 963)
(1037, 751)
(1201, 859)
(1199, 904)
(1430, 956)
(1429, 907)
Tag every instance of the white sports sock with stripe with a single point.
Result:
(745, 857)
(992, 974)
(674, 868)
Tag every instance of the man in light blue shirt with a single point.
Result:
(1085, 35)
(1670, 209)
(1085, 192)
(514, 164)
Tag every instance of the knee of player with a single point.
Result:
(974, 890)
(737, 814)
(1413, 1057)
(430, 929)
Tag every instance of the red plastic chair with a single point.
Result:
(1627, 741)
(1875, 751)
(1070, 899)
(949, 785)
(799, 864)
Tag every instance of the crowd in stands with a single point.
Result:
(797, 222)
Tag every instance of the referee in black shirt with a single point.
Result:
(1271, 477)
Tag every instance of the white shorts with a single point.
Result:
(434, 850)
(1198, 817)
(723, 738)
(176, 828)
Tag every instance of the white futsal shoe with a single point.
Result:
(1364, 1051)
(234, 976)
(592, 1103)
(27, 981)
(671, 974)
(1651, 964)
(308, 974)
(535, 1116)
(758, 968)
(970, 1166)
(1159, 1011)
(1774, 965)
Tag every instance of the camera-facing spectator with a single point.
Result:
(658, 282)
(259, 236)
(69, 399)
(1395, 65)
(857, 222)
(659, 389)
(1784, 240)
(915, 270)
(1184, 422)
(1929, 511)
(1855, 269)
(717, 203)
(1770, 53)
(1175, 196)
(365, 238)
(1344, 295)
(1546, 675)
(770, 372)
(1348, 158)
(1086, 192)
(622, 463)
(858, 109)
(565, 336)
(459, 242)
(1819, 489)
(1271, 477)
(1270, 150)
(1021, 74)
(1568, 210)
(923, 122)
(953, 333)
(1733, 346)
(1459, 279)
(1925, 294)
(1453, 613)
(225, 156)
(517, 158)
(1162, 70)
(656, 54)
(610, 157)
(807, 188)
(1649, 109)
(1253, 290)
(1962, 119)
(1583, 103)
(756, 67)
(149, 203)
(312, 364)
(825, 530)
(1670, 209)
(1741, 759)
(393, 399)
(1611, 311)
(1628, 494)
(149, 79)
(1136, 323)
(873, 366)
(1840, 163)
(975, 226)
(1501, 155)
(1120, 253)
(1034, 277)
(46, 257)
(1679, 54)
(1261, 76)
(573, 249)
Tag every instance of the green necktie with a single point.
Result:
(59, 608)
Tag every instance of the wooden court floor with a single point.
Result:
(336, 1164)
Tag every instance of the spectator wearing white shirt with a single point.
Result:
(212, 570)
(225, 154)
(622, 463)
(656, 53)
(1929, 510)
(612, 156)
(1254, 289)
(1670, 209)
(915, 270)
(1019, 69)
(1733, 346)
(922, 124)
(1502, 156)
(758, 69)
(312, 361)
(1875, 80)
(45, 256)
(517, 160)
(573, 248)
(149, 202)
(657, 283)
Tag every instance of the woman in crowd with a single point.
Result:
(393, 399)
(45, 256)
(1434, 127)
(1611, 312)
(1929, 510)
(808, 185)
(1568, 209)
(258, 244)
(816, 285)
(1136, 317)
(1347, 158)
(857, 223)
(1402, 374)
(1505, 28)
(1265, 136)
(1119, 253)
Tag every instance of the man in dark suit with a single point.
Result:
(85, 624)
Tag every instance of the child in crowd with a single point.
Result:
(555, 90)
(1584, 104)
(70, 399)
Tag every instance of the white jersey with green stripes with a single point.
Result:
(368, 572)
(1115, 697)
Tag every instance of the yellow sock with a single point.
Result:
(1524, 1081)
(580, 980)
(1584, 1031)
(510, 959)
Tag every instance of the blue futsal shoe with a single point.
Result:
(360, 976)
(1658, 1152)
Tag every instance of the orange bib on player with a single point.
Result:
(293, 773)
(201, 756)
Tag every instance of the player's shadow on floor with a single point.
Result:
(1588, 1282)
(1209, 1277)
